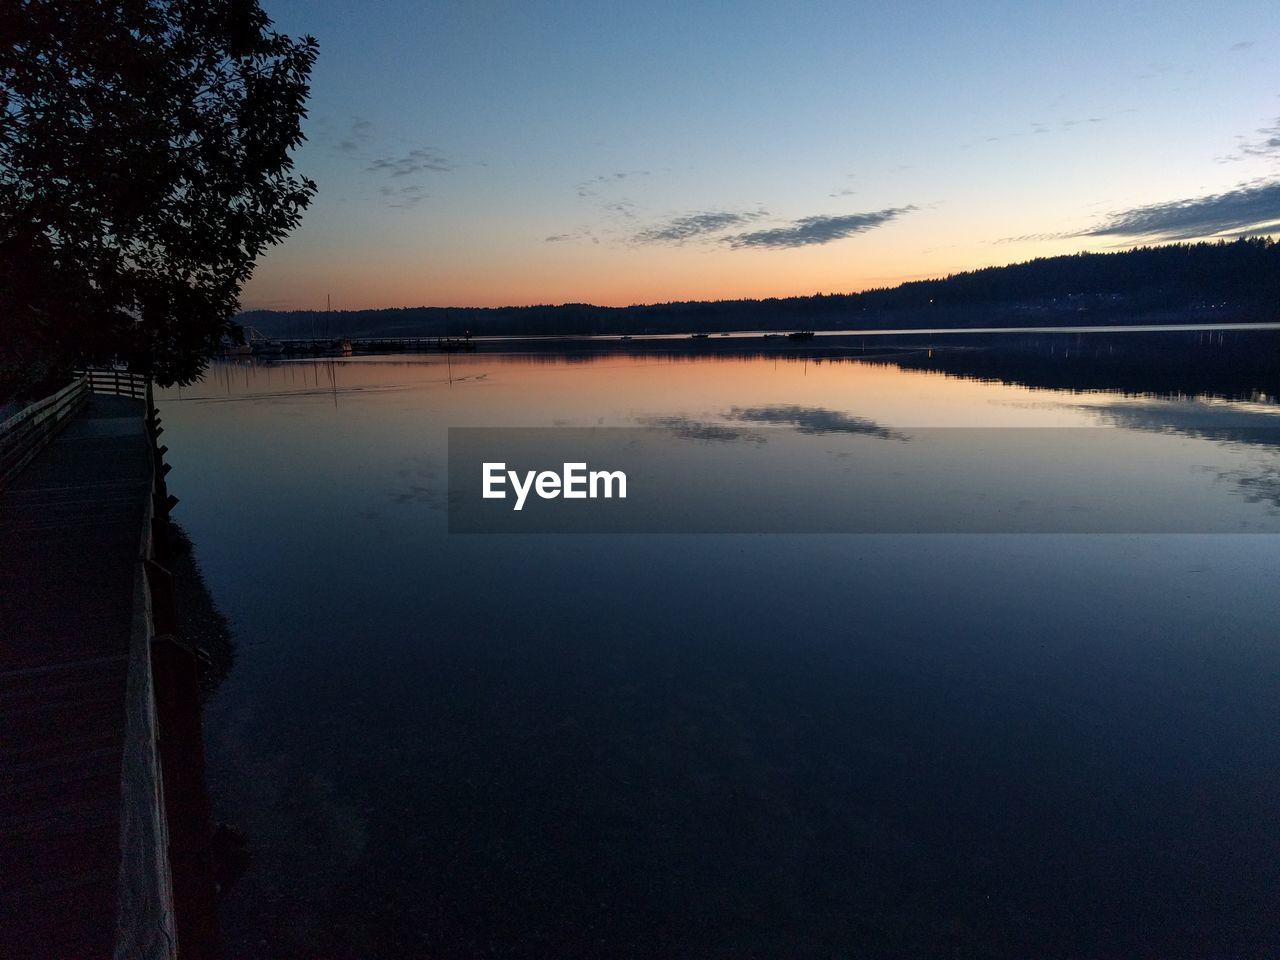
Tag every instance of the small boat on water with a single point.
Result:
(699, 336)
(801, 335)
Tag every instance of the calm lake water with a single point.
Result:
(750, 744)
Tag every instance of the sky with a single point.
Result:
(479, 153)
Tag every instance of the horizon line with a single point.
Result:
(1221, 241)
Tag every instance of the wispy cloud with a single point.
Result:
(693, 226)
(1242, 45)
(625, 209)
(418, 160)
(1249, 206)
(1037, 237)
(585, 234)
(356, 134)
(347, 135)
(1265, 142)
(1037, 128)
(591, 188)
(846, 189)
(810, 231)
(409, 195)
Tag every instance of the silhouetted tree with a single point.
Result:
(144, 165)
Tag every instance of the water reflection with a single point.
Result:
(720, 746)
(814, 420)
(689, 429)
(200, 623)
(1246, 423)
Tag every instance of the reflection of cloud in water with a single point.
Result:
(1262, 487)
(814, 420)
(1221, 422)
(1252, 427)
(687, 429)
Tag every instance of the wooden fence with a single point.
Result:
(122, 383)
(25, 433)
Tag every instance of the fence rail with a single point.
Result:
(24, 434)
(122, 383)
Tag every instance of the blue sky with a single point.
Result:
(493, 153)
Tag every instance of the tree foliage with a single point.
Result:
(144, 165)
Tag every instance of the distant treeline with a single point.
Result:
(1201, 282)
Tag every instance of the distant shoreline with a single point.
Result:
(1243, 325)
(1176, 285)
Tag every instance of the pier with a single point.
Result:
(103, 821)
(257, 345)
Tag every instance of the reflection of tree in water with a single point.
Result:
(200, 623)
(1230, 364)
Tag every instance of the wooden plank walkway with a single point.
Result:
(70, 536)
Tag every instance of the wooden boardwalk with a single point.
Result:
(72, 525)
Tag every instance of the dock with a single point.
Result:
(256, 345)
(95, 857)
